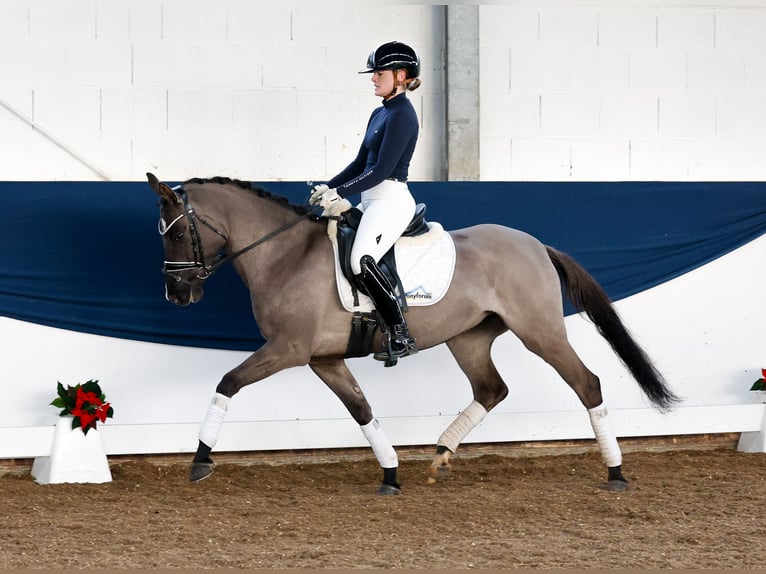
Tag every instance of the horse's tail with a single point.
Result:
(588, 296)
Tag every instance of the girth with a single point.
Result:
(347, 226)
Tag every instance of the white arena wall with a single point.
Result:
(704, 330)
(570, 91)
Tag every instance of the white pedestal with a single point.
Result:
(75, 457)
(754, 441)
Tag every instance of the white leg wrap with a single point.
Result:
(211, 427)
(382, 448)
(605, 437)
(465, 422)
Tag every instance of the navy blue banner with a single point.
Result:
(86, 256)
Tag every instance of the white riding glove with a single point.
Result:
(317, 192)
(332, 203)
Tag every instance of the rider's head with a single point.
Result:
(401, 59)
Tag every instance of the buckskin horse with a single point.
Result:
(503, 279)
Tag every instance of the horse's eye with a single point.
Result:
(178, 236)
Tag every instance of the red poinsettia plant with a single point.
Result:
(85, 402)
(760, 384)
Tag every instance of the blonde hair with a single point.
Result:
(409, 84)
(412, 84)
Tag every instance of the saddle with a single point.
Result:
(347, 226)
(363, 325)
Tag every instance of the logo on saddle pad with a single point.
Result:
(419, 293)
(425, 264)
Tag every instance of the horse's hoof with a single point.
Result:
(438, 473)
(389, 489)
(615, 486)
(200, 471)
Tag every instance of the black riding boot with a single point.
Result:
(381, 292)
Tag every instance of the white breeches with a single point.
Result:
(388, 209)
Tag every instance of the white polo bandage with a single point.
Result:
(466, 421)
(211, 426)
(605, 437)
(380, 444)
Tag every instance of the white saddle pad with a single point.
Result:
(425, 265)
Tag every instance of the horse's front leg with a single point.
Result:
(336, 375)
(269, 359)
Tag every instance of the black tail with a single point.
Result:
(588, 296)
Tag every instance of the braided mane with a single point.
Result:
(260, 192)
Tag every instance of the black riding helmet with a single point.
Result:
(393, 56)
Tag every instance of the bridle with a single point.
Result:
(174, 269)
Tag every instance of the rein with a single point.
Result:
(172, 268)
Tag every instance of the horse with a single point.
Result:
(503, 280)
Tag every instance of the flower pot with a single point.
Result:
(74, 457)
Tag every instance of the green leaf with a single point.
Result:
(92, 387)
(759, 385)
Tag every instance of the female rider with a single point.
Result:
(379, 173)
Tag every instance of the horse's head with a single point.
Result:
(187, 239)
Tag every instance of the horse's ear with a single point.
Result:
(161, 189)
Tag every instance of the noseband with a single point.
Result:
(174, 269)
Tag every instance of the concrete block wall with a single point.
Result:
(104, 89)
(600, 90)
(623, 91)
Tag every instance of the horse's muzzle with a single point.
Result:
(183, 297)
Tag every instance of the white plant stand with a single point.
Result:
(74, 457)
(754, 441)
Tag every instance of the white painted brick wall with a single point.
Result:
(569, 115)
(741, 115)
(628, 115)
(248, 89)
(627, 91)
(623, 27)
(259, 90)
(741, 29)
(685, 28)
(575, 27)
(690, 115)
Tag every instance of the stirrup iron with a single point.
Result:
(398, 344)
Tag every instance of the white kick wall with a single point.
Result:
(268, 91)
(704, 330)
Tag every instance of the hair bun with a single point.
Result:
(413, 84)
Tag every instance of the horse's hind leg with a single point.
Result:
(554, 348)
(336, 375)
(472, 351)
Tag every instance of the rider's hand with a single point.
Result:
(317, 193)
(337, 207)
(328, 197)
(333, 204)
